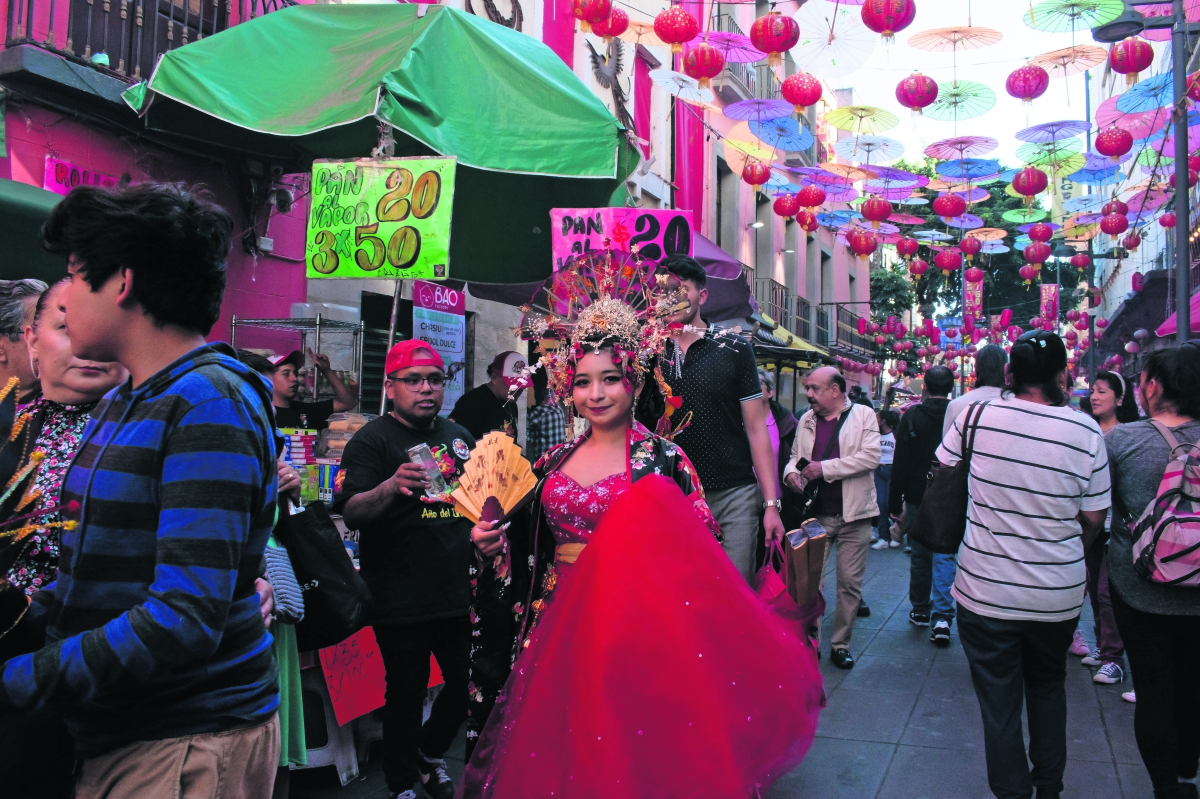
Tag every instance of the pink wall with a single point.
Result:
(262, 287)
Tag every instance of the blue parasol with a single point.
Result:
(1085, 203)
(931, 235)
(914, 201)
(994, 248)
(1147, 95)
(965, 222)
(758, 109)
(968, 168)
(786, 133)
(1097, 177)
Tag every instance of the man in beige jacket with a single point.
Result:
(837, 442)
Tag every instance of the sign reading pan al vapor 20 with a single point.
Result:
(388, 218)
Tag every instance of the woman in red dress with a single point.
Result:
(634, 661)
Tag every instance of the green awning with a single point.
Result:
(314, 81)
(24, 208)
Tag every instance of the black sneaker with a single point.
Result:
(919, 619)
(863, 610)
(842, 658)
(941, 633)
(434, 778)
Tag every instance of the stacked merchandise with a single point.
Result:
(342, 427)
(299, 450)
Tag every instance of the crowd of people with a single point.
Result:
(611, 635)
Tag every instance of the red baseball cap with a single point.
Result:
(413, 352)
(295, 358)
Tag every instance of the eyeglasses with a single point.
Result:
(413, 382)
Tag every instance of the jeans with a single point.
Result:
(1108, 638)
(1010, 659)
(930, 576)
(1163, 652)
(883, 483)
(406, 649)
(852, 539)
(738, 511)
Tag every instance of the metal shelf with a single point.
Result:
(316, 326)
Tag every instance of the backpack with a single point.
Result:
(1166, 539)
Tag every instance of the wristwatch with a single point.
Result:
(777, 504)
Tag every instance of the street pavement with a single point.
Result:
(903, 724)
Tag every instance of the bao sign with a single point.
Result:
(387, 218)
(439, 319)
(656, 234)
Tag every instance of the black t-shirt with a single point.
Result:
(480, 411)
(715, 377)
(415, 559)
(305, 415)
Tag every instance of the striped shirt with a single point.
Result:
(1035, 467)
(152, 628)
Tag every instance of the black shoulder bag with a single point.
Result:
(942, 520)
(797, 505)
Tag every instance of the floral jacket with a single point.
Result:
(506, 590)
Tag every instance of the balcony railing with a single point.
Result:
(848, 336)
(767, 84)
(802, 319)
(824, 332)
(124, 37)
(774, 300)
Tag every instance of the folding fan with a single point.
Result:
(495, 480)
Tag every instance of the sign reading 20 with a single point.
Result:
(405, 197)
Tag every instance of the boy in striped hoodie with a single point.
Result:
(152, 642)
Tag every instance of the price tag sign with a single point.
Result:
(654, 233)
(388, 219)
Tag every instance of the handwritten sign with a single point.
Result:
(655, 233)
(439, 319)
(62, 176)
(388, 218)
(355, 676)
(1050, 301)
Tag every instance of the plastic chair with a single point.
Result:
(337, 745)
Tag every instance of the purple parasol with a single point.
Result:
(758, 109)
(1053, 131)
(961, 147)
(736, 47)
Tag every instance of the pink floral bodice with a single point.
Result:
(574, 511)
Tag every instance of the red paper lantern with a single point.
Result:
(1036, 252)
(906, 248)
(1081, 261)
(703, 62)
(807, 221)
(862, 242)
(590, 12)
(948, 261)
(876, 210)
(1027, 273)
(880, 339)
(1114, 142)
(1167, 220)
(1027, 83)
(1072, 315)
(1194, 86)
(1101, 323)
(801, 90)
(1129, 57)
(616, 24)
(886, 17)
(1040, 231)
(1192, 175)
(970, 247)
(916, 91)
(1114, 224)
(973, 275)
(1194, 162)
(1029, 183)
(786, 205)
(917, 267)
(774, 34)
(676, 26)
(756, 174)
(948, 206)
(1115, 207)
(1132, 242)
(812, 196)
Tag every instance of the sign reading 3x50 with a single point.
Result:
(388, 218)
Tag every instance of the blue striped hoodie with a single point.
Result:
(153, 628)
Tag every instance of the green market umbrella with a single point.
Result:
(316, 81)
(24, 208)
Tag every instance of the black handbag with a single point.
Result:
(336, 600)
(942, 521)
(797, 505)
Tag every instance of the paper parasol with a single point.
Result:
(961, 99)
(1022, 215)
(1070, 60)
(833, 39)
(1022, 241)
(736, 47)
(965, 222)
(1085, 203)
(893, 194)
(1147, 95)
(914, 201)
(905, 219)
(1060, 16)
(988, 234)
(642, 33)
(849, 172)
(1097, 177)
(994, 248)
(1140, 124)
(897, 177)
(967, 168)
(685, 88)
(758, 150)
(1097, 161)
(1147, 200)
(931, 235)
(1191, 9)
(1087, 219)
(1026, 227)
(947, 40)
(961, 147)
(1051, 152)
(869, 148)
(833, 179)
(786, 133)
(758, 109)
(971, 194)
(883, 228)
(1149, 158)
(837, 218)
(1053, 131)
(779, 183)
(860, 119)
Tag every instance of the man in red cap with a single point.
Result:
(286, 384)
(415, 555)
(489, 407)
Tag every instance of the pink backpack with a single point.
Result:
(1166, 539)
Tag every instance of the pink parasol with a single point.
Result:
(1191, 9)
(961, 147)
(905, 219)
(1140, 124)
(1147, 200)
(736, 47)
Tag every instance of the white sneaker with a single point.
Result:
(874, 534)
(1109, 674)
(1129, 696)
(1092, 659)
(880, 544)
(894, 544)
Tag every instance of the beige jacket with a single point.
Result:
(858, 443)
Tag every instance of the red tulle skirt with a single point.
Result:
(655, 672)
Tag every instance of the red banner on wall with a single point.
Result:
(1050, 301)
(974, 300)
